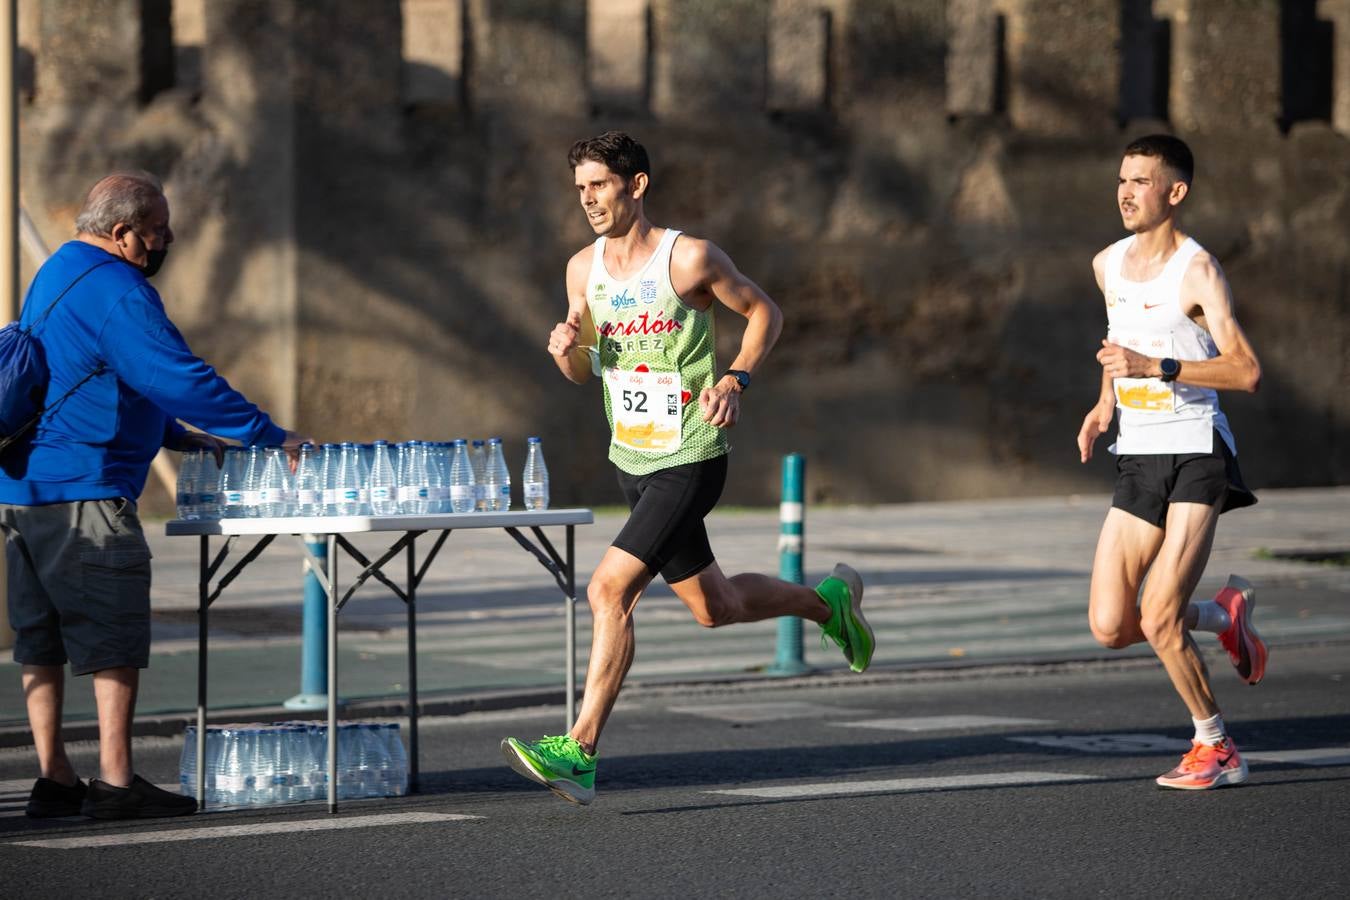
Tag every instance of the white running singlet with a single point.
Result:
(1158, 417)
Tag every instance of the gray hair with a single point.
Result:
(126, 197)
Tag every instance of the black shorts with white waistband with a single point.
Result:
(665, 529)
(1148, 483)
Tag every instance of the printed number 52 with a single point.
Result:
(635, 401)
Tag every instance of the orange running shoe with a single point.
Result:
(1206, 766)
(1245, 647)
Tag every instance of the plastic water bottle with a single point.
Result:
(383, 486)
(365, 455)
(233, 477)
(253, 476)
(394, 776)
(208, 487)
(290, 749)
(438, 477)
(478, 457)
(274, 490)
(534, 479)
(497, 478)
(308, 484)
(462, 483)
(349, 481)
(187, 763)
(230, 769)
(189, 477)
(330, 458)
(359, 760)
(414, 483)
(316, 760)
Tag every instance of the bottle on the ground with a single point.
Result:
(534, 478)
(497, 478)
(384, 486)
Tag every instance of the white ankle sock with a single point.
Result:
(1210, 616)
(1210, 731)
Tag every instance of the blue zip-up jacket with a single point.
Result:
(99, 442)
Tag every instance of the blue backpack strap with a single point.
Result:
(78, 278)
(43, 409)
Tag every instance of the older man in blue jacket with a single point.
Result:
(79, 565)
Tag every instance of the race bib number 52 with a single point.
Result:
(647, 409)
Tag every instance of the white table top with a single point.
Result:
(349, 524)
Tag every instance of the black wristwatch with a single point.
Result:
(1170, 369)
(742, 378)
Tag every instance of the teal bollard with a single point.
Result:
(789, 659)
(314, 645)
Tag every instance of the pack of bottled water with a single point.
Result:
(350, 479)
(287, 762)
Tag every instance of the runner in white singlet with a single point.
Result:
(1172, 344)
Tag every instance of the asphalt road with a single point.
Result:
(1020, 782)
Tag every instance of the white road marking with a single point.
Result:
(765, 712)
(220, 831)
(1109, 743)
(905, 785)
(17, 786)
(942, 723)
(1158, 743)
(1320, 756)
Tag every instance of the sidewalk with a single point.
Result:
(948, 585)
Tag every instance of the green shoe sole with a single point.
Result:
(521, 760)
(861, 640)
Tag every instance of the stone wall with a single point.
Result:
(373, 209)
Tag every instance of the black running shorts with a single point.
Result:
(1146, 484)
(665, 529)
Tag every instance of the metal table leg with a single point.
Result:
(332, 672)
(203, 604)
(412, 666)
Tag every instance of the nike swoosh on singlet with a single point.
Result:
(1153, 305)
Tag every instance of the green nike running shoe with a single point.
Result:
(842, 593)
(558, 763)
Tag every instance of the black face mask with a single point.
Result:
(154, 259)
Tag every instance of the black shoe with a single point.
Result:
(54, 800)
(142, 800)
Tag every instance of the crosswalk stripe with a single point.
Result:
(905, 785)
(1319, 756)
(220, 831)
(765, 712)
(941, 723)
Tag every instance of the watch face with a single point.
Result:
(1170, 368)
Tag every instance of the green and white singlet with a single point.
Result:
(656, 356)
